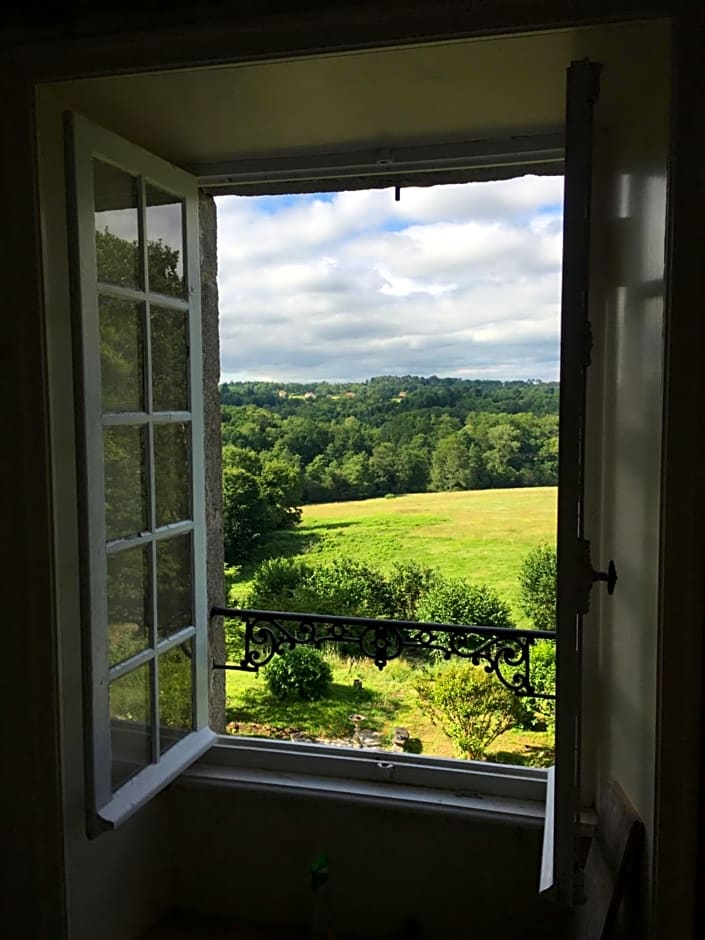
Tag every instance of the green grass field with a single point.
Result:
(387, 700)
(481, 536)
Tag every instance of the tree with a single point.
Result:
(537, 579)
(449, 465)
(261, 494)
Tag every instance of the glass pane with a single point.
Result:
(121, 354)
(169, 360)
(116, 226)
(130, 724)
(165, 242)
(128, 604)
(174, 603)
(172, 472)
(125, 495)
(175, 695)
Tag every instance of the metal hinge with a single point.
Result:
(586, 576)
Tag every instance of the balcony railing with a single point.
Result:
(504, 651)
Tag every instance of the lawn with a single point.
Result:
(386, 699)
(481, 536)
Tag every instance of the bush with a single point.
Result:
(279, 584)
(453, 600)
(408, 583)
(472, 707)
(537, 577)
(299, 673)
(345, 587)
(543, 679)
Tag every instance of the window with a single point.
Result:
(135, 243)
(136, 287)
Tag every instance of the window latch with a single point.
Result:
(587, 576)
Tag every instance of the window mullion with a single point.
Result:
(150, 471)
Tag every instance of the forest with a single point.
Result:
(290, 444)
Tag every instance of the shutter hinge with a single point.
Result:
(586, 576)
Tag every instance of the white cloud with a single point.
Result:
(451, 280)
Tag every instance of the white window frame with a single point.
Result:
(505, 792)
(107, 809)
(502, 792)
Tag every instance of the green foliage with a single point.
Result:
(301, 673)
(409, 582)
(471, 707)
(399, 435)
(543, 679)
(344, 586)
(116, 262)
(453, 600)
(261, 493)
(387, 699)
(537, 579)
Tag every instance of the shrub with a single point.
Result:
(472, 707)
(537, 578)
(408, 583)
(543, 679)
(453, 600)
(540, 713)
(351, 588)
(279, 584)
(299, 673)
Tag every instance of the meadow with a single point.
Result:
(481, 536)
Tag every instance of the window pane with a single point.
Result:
(165, 242)
(116, 226)
(175, 695)
(172, 473)
(174, 579)
(169, 360)
(130, 724)
(125, 495)
(128, 604)
(121, 354)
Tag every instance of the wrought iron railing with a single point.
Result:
(504, 651)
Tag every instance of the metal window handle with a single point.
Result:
(586, 576)
(610, 576)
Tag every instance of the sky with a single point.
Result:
(455, 280)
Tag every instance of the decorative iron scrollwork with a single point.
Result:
(504, 651)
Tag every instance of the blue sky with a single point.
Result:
(451, 280)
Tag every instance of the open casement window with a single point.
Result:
(133, 223)
(574, 574)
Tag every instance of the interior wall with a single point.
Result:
(393, 873)
(625, 387)
(122, 880)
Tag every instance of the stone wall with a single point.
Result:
(212, 446)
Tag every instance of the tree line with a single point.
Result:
(285, 445)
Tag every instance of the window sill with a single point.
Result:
(491, 792)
